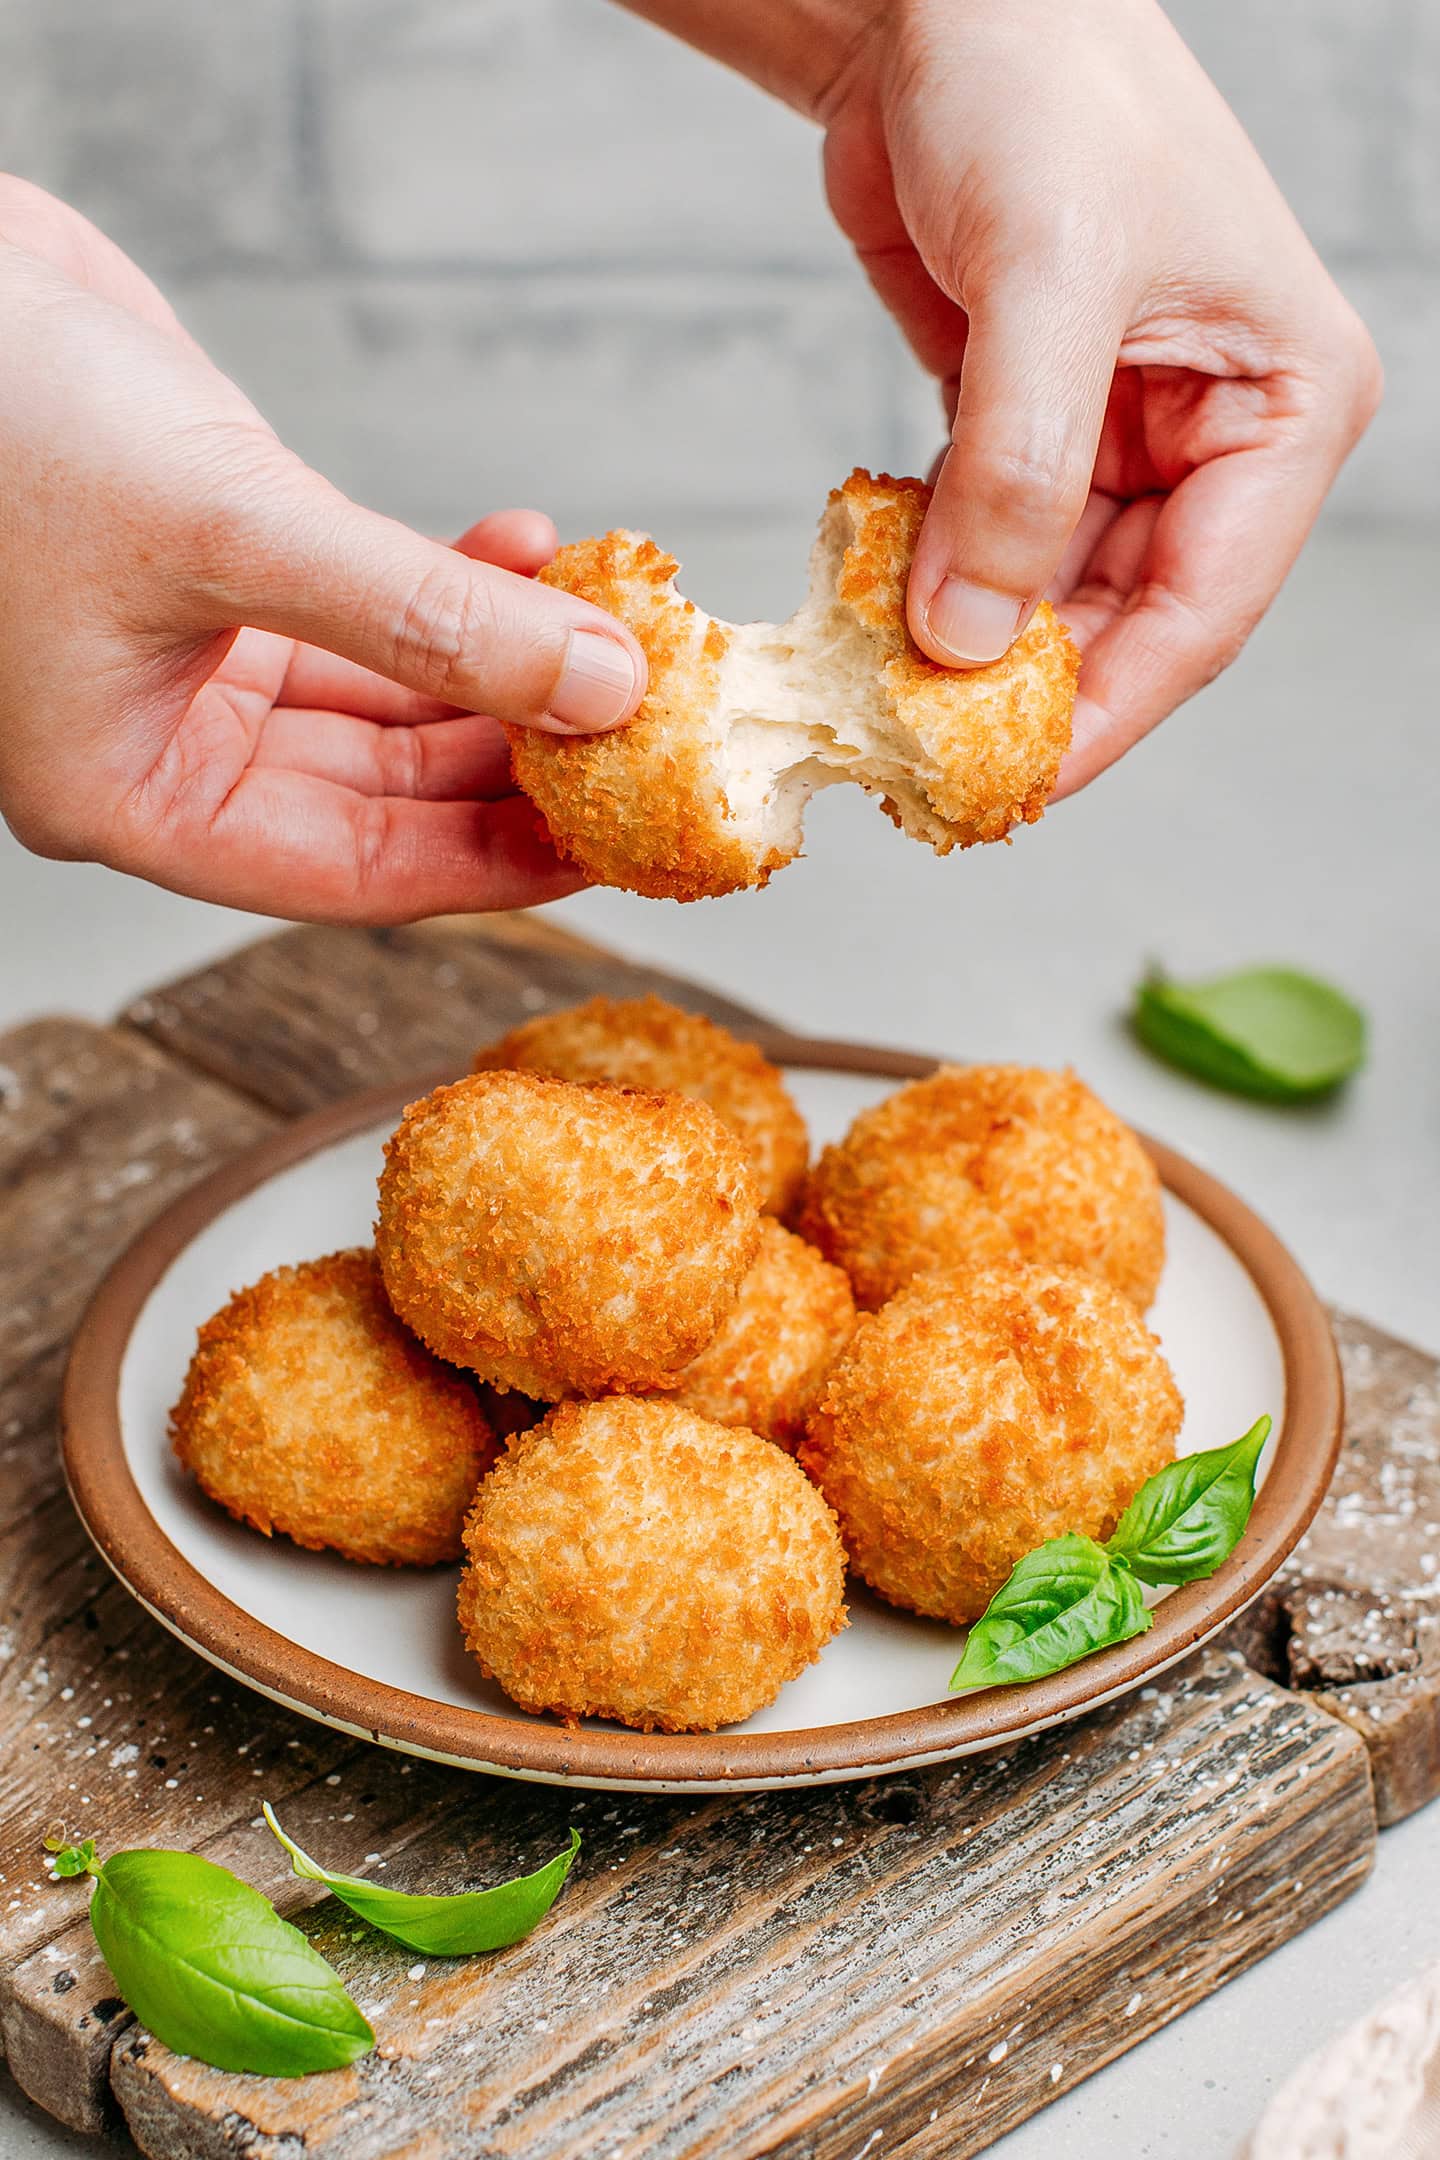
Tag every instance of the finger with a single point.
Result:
(293, 845)
(1033, 389)
(519, 540)
(452, 760)
(319, 679)
(293, 556)
(1082, 548)
(1175, 590)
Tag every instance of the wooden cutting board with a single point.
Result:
(916, 1963)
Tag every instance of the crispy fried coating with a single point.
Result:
(309, 1408)
(704, 792)
(647, 1043)
(630, 1560)
(983, 1163)
(767, 1364)
(977, 1415)
(564, 1238)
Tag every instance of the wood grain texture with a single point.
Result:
(97, 1131)
(1354, 1619)
(314, 1014)
(921, 1961)
(793, 1973)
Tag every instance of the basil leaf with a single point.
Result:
(453, 1926)
(1267, 1031)
(1192, 1514)
(73, 1859)
(212, 1969)
(1059, 1603)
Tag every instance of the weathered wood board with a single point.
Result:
(1354, 1620)
(920, 1961)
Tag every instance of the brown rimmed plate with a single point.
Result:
(376, 1651)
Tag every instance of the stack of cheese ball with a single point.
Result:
(588, 1356)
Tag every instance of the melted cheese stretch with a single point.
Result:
(802, 704)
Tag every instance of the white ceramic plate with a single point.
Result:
(378, 1650)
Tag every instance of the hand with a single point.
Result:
(329, 759)
(1151, 379)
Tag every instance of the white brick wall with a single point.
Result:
(553, 132)
(175, 124)
(465, 251)
(628, 399)
(1318, 86)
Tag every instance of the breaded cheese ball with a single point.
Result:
(705, 790)
(308, 1408)
(983, 1163)
(977, 1415)
(630, 1560)
(647, 1043)
(767, 1364)
(564, 1238)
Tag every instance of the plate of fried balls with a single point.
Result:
(637, 1409)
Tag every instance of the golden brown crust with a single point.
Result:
(767, 1365)
(633, 1561)
(645, 807)
(647, 1043)
(994, 735)
(981, 1163)
(564, 1238)
(977, 1415)
(308, 1408)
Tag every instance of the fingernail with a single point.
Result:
(598, 686)
(972, 624)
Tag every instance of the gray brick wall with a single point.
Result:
(466, 252)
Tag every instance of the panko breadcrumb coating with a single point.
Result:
(630, 1560)
(647, 1043)
(564, 1238)
(705, 790)
(308, 1408)
(766, 1366)
(983, 1163)
(977, 1415)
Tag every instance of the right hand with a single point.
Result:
(218, 673)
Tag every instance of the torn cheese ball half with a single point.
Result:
(705, 791)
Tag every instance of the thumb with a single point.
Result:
(1033, 388)
(302, 560)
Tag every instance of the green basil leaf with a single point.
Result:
(212, 1969)
(453, 1926)
(73, 1859)
(1192, 1514)
(1059, 1603)
(1267, 1031)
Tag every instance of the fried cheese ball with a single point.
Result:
(767, 1364)
(308, 1408)
(977, 1415)
(984, 1163)
(630, 1560)
(564, 1238)
(647, 1043)
(705, 791)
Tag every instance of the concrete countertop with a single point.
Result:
(1290, 813)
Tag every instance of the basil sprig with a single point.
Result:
(1072, 1596)
(456, 1926)
(1059, 1603)
(208, 1964)
(1190, 1516)
(1267, 1031)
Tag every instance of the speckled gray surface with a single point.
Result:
(1291, 812)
